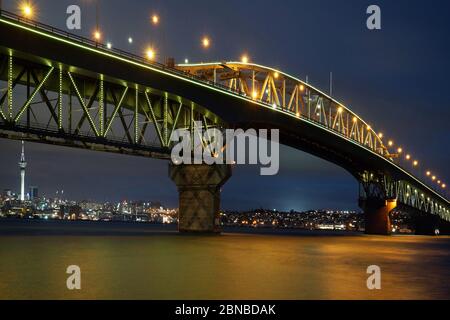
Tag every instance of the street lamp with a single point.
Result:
(150, 54)
(155, 19)
(27, 9)
(206, 42)
(97, 35)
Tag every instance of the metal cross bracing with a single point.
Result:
(66, 106)
(383, 187)
(286, 93)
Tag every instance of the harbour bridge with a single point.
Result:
(62, 89)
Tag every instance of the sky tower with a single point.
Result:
(22, 166)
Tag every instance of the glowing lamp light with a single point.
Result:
(444, 185)
(97, 35)
(428, 173)
(254, 94)
(244, 59)
(276, 75)
(155, 19)
(339, 110)
(439, 181)
(408, 157)
(380, 135)
(274, 106)
(399, 150)
(390, 143)
(354, 119)
(206, 43)
(186, 61)
(109, 45)
(302, 87)
(415, 163)
(27, 10)
(130, 40)
(433, 178)
(150, 54)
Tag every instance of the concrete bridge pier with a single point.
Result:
(199, 188)
(377, 217)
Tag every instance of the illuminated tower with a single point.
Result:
(22, 166)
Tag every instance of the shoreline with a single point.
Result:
(20, 227)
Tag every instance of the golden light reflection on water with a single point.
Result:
(231, 266)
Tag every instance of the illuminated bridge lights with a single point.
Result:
(101, 106)
(136, 113)
(27, 9)
(36, 90)
(10, 86)
(60, 98)
(206, 42)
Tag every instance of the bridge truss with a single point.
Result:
(67, 106)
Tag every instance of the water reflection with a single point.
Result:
(231, 266)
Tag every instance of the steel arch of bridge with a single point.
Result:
(71, 107)
(286, 93)
(105, 102)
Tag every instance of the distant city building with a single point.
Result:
(33, 193)
(7, 193)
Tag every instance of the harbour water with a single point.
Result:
(142, 261)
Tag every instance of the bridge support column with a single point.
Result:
(199, 188)
(377, 215)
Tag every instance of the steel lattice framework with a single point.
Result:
(90, 111)
(135, 105)
(289, 94)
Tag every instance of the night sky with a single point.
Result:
(397, 79)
